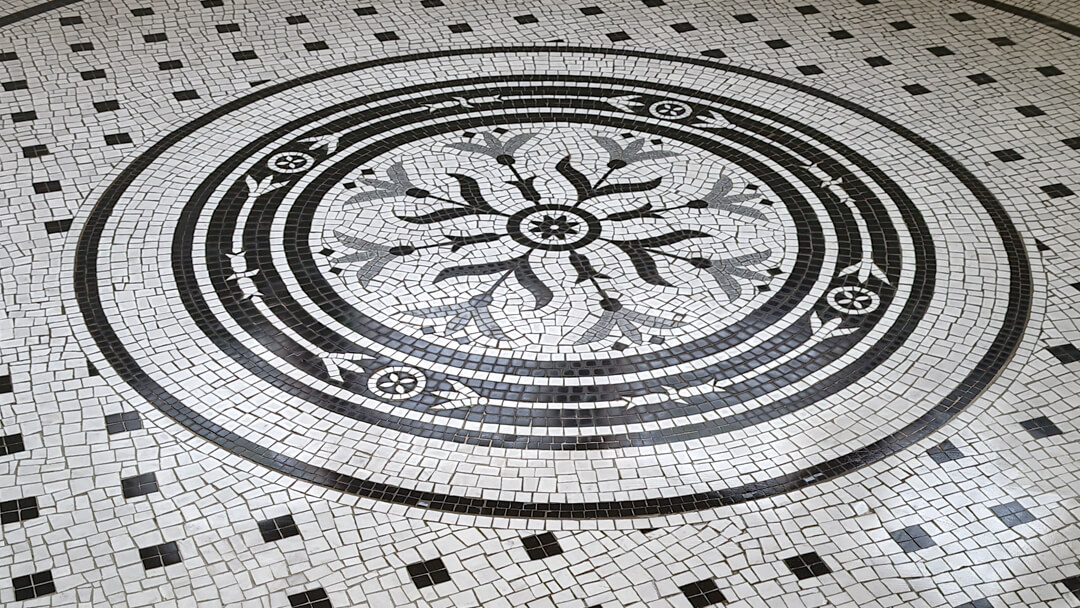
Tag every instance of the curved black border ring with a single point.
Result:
(999, 353)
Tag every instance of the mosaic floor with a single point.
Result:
(612, 303)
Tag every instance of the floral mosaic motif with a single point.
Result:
(561, 226)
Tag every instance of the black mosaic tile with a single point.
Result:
(21, 509)
(312, 598)
(944, 452)
(139, 485)
(807, 565)
(912, 538)
(1041, 427)
(159, 556)
(541, 545)
(428, 573)
(278, 528)
(33, 585)
(1012, 514)
(122, 422)
(703, 593)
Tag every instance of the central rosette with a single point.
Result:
(531, 225)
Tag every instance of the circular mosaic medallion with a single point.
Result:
(436, 281)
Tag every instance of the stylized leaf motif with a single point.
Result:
(441, 215)
(664, 239)
(528, 190)
(584, 268)
(645, 210)
(627, 187)
(470, 191)
(475, 269)
(528, 279)
(460, 241)
(576, 178)
(643, 263)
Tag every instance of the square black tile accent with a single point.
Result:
(172, 64)
(618, 36)
(109, 105)
(9, 56)
(319, 45)
(298, 19)
(1066, 353)
(21, 509)
(1057, 190)
(1002, 41)
(869, 2)
(71, 20)
(1072, 584)
(541, 545)
(159, 556)
(312, 598)
(1041, 427)
(1007, 156)
(1072, 142)
(916, 89)
(745, 18)
(139, 485)
(807, 565)
(426, 574)
(363, 11)
(47, 187)
(979, 603)
(122, 422)
(117, 139)
(1013, 514)
(460, 28)
(683, 27)
(57, 226)
(982, 78)
(902, 25)
(212, 3)
(244, 55)
(186, 95)
(807, 10)
(940, 51)
(142, 12)
(278, 528)
(810, 70)
(92, 74)
(386, 36)
(842, 35)
(778, 44)
(962, 17)
(155, 37)
(944, 452)
(526, 19)
(33, 585)
(652, 3)
(16, 85)
(227, 28)
(1049, 71)
(589, 11)
(714, 53)
(1030, 111)
(35, 151)
(25, 116)
(11, 444)
(703, 593)
(912, 538)
(82, 47)
(6, 385)
(878, 61)
(431, 3)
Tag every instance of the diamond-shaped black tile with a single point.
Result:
(312, 598)
(33, 585)
(714, 53)
(11, 444)
(1041, 427)
(159, 556)
(807, 565)
(20, 509)
(1072, 585)
(386, 36)
(541, 545)
(139, 485)
(778, 44)
(298, 19)
(1013, 514)
(110, 105)
(912, 538)
(810, 70)
(703, 593)
(1007, 156)
(246, 55)
(944, 452)
(1066, 353)
(81, 47)
(278, 528)
(590, 10)
(683, 27)
(940, 51)
(47, 187)
(1030, 111)
(16, 85)
(1002, 41)
(962, 17)
(318, 45)
(526, 19)
(1049, 71)
(618, 36)
(122, 422)
(916, 89)
(35, 151)
(1072, 142)
(981, 78)
(426, 574)
(186, 95)
(902, 25)
(745, 18)
(460, 28)
(842, 35)
(1057, 190)
(807, 10)
(877, 61)
(117, 139)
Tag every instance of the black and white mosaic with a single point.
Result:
(632, 303)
